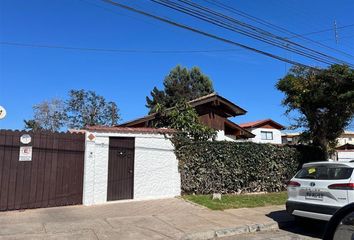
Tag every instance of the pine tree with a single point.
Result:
(180, 84)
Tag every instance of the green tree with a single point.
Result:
(180, 84)
(184, 119)
(112, 113)
(32, 125)
(48, 115)
(86, 108)
(83, 108)
(324, 100)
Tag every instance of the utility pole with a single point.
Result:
(336, 32)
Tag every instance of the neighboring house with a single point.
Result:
(265, 131)
(213, 111)
(294, 138)
(290, 138)
(346, 137)
(345, 146)
(345, 152)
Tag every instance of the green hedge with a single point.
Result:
(232, 167)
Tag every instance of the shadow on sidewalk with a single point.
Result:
(308, 227)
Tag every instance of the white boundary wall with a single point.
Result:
(345, 155)
(155, 167)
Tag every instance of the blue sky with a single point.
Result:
(29, 75)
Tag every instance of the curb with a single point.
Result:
(227, 232)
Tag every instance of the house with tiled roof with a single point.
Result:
(347, 137)
(213, 111)
(265, 131)
(344, 151)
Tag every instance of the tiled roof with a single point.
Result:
(346, 146)
(130, 130)
(260, 122)
(252, 124)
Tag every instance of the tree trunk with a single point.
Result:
(323, 144)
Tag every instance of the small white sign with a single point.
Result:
(25, 153)
(25, 139)
(2, 112)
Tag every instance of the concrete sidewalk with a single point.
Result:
(156, 219)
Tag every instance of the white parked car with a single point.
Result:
(319, 189)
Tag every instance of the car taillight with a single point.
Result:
(342, 186)
(293, 184)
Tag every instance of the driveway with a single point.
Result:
(156, 219)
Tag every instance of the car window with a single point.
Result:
(325, 172)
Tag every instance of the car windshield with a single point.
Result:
(325, 172)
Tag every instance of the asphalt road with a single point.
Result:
(308, 230)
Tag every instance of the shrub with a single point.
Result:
(235, 167)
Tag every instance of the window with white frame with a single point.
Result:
(266, 135)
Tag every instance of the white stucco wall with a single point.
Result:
(222, 137)
(155, 167)
(345, 155)
(347, 139)
(258, 137)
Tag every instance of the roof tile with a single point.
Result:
(260, 122)
(130, 130)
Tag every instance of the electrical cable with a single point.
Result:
(204, 33)
(199, 15)
(281, 29)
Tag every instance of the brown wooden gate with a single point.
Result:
(120, 168)
(54, 176)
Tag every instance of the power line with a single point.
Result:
(260, 34)
(112, 11)
(289, 46)
(276, 27)
(130, 16)
(205, 33)
(115, 50)
(302, 34)
(291, 37)
(154, 51)
(53, 46)
(323, 30)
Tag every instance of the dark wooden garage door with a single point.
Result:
(120, 168)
